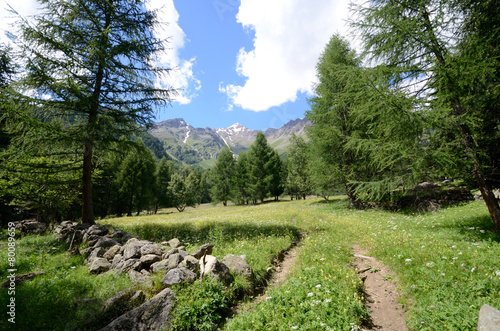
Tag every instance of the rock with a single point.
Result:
(127, 236)
(97, 230)
(170, 252)
(127, 265)
(182, 248)
(159, 266)
(21, 278)
(174, 260)
(178, 276)
(132, 249)
(90, 238)
(106, 243)
(209, 265)
(99, 265)
(116, 261)
(174, 243)
(74, 238)
(152, 315)
(150, 259)
(190, 263)
(489, 319)
(86, 252)
(183, 254)
(116, 234)
(204, 249)
(31, 226)
(139, 277)
(239, 265)
(165, 243)
(119, 302)
(111, 253)
(151, 249)
(96, 253)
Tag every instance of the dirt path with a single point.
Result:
(283, 264)
(381, 294)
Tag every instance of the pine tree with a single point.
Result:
(223, 177)
(298, 179)
(91, 63)
(163, 177)
(260, 168)
(242, 185)
(440, 51)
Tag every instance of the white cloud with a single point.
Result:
(289, 38)
(181, 76)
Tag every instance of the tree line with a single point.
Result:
(419, 102)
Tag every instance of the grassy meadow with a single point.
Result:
(446, 265)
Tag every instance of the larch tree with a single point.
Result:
(445, 53)
(299, 179)
(223, 177)
(93, 64)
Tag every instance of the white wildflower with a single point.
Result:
(318, 286)
(310, 294)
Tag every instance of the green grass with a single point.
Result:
(445, 263)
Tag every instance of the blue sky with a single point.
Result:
(246, 61)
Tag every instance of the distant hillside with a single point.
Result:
(202, 146)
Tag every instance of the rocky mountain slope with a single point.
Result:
(202, 145)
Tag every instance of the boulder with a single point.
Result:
(170, 252)
(150, 259)
(106, 243)
(209, 265)
(97, 230)
(151, 249)
(152, 315)
(190, 263)
(99, 265)
(96, 253)
(119, 301)
(116, 260)
(204, 249)
(116, 234)
(489, 319)
(139, 277)
(111, 253)
(174, 243)
(132, 249)
(159, 266)
(127, 236)
(127, 265)
(31, 226)
(88, 238)
(178, 276)
(239, 265)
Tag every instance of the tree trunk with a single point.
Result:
(87, 207)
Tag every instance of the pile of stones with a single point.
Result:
(120, 252)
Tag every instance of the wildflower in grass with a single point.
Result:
(318, 286)
(455, 258)
(310, 294)
(408, 261)
(268, 298)
(294, 327)
(430, 264)
(472, 270)
(497, 273)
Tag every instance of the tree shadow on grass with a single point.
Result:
(214, 232)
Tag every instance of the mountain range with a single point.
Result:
(201, 146)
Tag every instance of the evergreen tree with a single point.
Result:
(439, 51)
(278, 175)
(223, 176)
(242, 185)
(163, 177)
(331, 116)
(260, 166)
(91, 62)
(137, 180)
(298, 179)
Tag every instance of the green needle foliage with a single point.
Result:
(91, 64)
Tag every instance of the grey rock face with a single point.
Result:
(191, 263)
(489, 319)
(111, 253)
(204, 249)
(99, 265)
(209, 265)
(152, 315)
(239, 265)
(178, 276)
(174, 243)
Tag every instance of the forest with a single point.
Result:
(78, 94)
